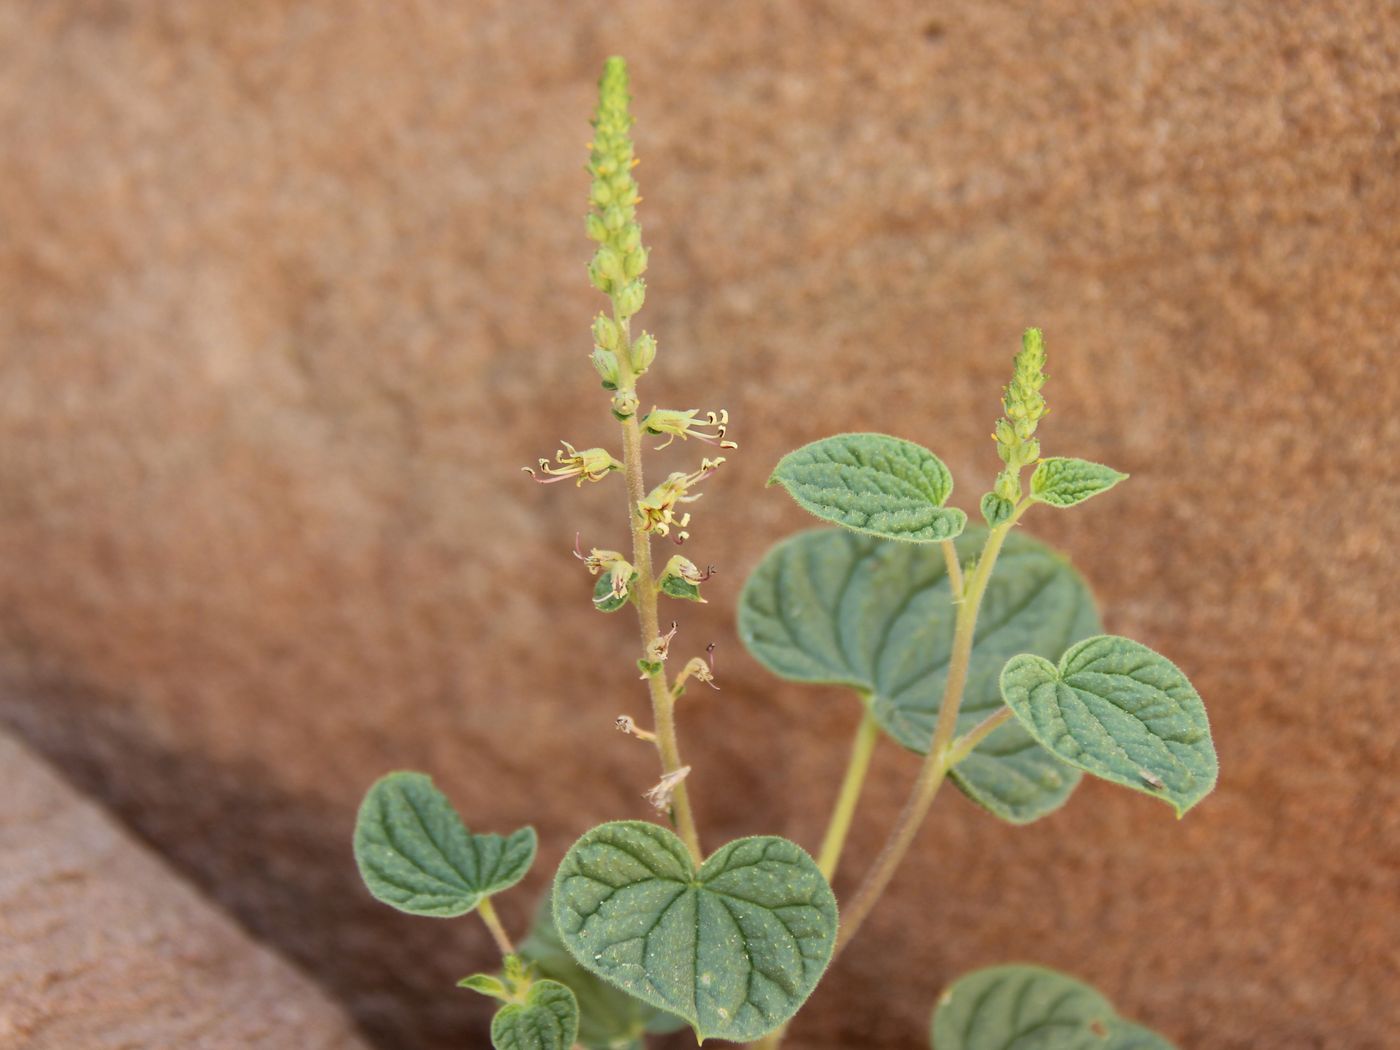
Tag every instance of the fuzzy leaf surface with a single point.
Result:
(1062, 482)
(609, 1018)
(415, 854)
(1118, 710)
(834, 607)
(547, 1020)
(1021, 1007)
(734, 948)
(875, 484)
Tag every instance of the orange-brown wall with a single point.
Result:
(289, 292)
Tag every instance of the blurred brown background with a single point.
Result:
(291, 291)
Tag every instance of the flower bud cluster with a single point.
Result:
(1024, 407)
(617, 266)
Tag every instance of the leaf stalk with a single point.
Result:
(940, 757)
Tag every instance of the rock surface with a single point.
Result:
(292, 292)
(103, 947)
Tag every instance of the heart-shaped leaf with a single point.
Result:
(609, 1018)
(873, 483)
(415, 855)
(1118, 710)
(1063, 482)
(734, 948)
(831, 606)
(546, 1020)
(1031, 1008)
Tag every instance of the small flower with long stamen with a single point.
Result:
(701, 668)
(660, 796)
(590, 464)
(682, 578)
(710, 428)
(660, 646)
(618, 574)
(658, 509)
(626, 724)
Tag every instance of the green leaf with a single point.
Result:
(829, 606)
(486, 984)
(996, 509)
(415, 855)
(1021, 1007)
(1116, 709)
(546, 1020)
(1063, 482)
(676, 587)
(872, 483)
(609, 1018)
(1129, 1036)
(603, 598)
(734, 948)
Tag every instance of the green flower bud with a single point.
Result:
(599, 279)
(631, 297)
(624, 404)
(605, 362)
(1008, 486)
(610, 263)
(635, 263)
(605, 332)
(595, 228)
(643, 352)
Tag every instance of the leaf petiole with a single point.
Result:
(862, 747)
(487, 911)
(939, 758)
(964, 745)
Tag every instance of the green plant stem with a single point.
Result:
(487, 911)
(862, 747)
(955, 574)
(938, 761)
(963, 745)
(663, 701)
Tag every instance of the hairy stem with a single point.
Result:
(862, 747)
(487, 911)
(663, 702)
(939, 759)
(955, 575)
